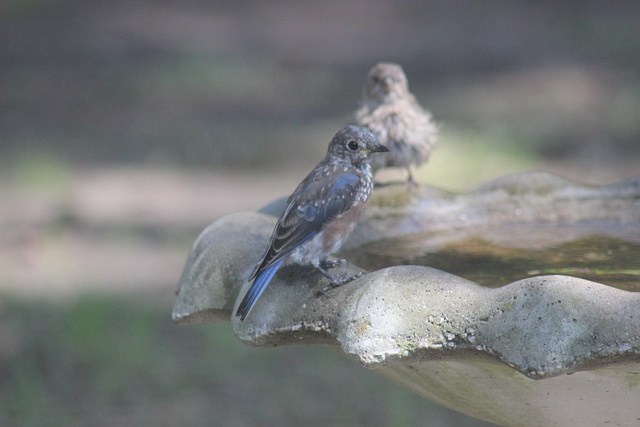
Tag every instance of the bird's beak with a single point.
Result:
(379, 149)
(386, 84)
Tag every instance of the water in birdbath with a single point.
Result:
(497, 257)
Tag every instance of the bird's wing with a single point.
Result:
(315, 203)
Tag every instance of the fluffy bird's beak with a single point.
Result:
(386, 84)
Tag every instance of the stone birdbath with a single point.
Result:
(515, 303)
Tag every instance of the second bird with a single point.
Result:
(391, 112)
(321, 213)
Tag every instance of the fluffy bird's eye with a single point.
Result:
(352, 145)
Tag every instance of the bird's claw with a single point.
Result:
(333, 263)
(343, 280)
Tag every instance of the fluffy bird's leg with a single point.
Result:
(410, 181)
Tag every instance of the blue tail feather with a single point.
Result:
(259, 284)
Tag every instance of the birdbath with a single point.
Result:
(515, 303)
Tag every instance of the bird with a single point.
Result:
(321, 212)
(393, 114)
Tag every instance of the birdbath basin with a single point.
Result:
(515, 303)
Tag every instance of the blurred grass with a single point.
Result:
(119, 360)
(40, 169)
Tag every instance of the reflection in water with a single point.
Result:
(608, 260)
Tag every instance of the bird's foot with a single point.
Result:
(343, 280)
(326, 264)
(412, 183)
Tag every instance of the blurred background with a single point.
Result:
(128, 126)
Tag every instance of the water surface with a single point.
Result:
(495, 262)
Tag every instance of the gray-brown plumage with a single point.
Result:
(392, 113)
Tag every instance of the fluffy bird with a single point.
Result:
(321, 213)
(392, 113)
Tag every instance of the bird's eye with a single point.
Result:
(352, 145)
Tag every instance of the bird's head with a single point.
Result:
(386, 81)
(355, 145)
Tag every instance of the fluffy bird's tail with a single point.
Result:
(256, 289)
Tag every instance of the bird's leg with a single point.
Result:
(335, 282)
(410, 181)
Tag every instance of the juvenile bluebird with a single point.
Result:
(392, 113)
(322, 211)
